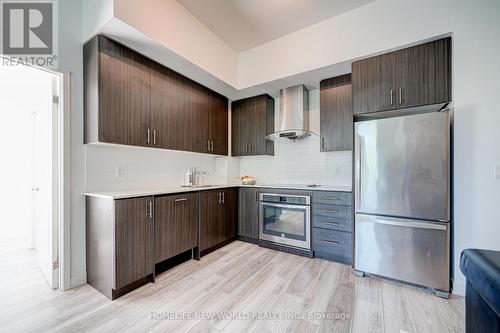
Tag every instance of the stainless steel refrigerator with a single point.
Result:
(402, 199)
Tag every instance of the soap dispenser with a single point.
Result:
(188, 178)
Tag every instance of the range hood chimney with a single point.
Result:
(293, 120)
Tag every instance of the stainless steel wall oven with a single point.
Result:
(285, 219)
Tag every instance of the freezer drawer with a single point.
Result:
(408, 250)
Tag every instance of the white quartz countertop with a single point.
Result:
(123, 194)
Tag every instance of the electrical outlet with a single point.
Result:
(497, 172)
(119, 172)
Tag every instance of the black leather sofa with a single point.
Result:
(482, 294)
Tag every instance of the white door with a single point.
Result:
(45, 183)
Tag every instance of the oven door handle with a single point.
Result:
(274, 204)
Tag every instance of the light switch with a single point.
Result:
(497, 172)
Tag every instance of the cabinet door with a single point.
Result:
(209, 233)
(124, 96)
(231, 207)
(374, 84)
(113, 101)
(164, 118)
(203, 119)
(176, 225)
(133, 240)
(237, 128)
(219, 124)
(185, 115)
(248, 213)
(424, 74)
(336, 123)
(259, 143)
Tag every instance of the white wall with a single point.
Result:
(70, 59)
(300, 162)
(96, 13)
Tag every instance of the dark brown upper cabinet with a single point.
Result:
(117, 85)
(251, 120)
(416, 76)
(131, 100)
(336, 118)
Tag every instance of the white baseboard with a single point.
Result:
(78, 280)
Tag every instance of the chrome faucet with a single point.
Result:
(197, 176)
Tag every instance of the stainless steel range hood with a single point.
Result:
(293, 120)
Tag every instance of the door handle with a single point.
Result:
(323, 143)
(220, 198)
(154, 137)
(148, 136)
(223, 197)
(149, 209)
(391, 98)
(212, 145)
(208, 145)
(181, 199)
(400, 95)
(37, 189)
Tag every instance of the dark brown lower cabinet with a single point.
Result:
(119, 244)
(219, 209)
(248, 214)
(176, 224)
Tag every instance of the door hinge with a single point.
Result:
(55, 264)
(55, 99)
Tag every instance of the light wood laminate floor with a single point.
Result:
(256, 289)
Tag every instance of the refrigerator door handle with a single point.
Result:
(408, 224)
(357, 172)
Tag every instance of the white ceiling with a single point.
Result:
(244, 24)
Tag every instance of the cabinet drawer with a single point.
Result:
(338, 211)
(336, 198)
(332, 222)
(332, 245)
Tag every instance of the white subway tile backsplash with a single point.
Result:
(145, 168)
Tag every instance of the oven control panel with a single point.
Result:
(286, 199)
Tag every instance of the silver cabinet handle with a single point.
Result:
(246, 149)
(331, 242)
(391, 98)
(220, 198)
(148, 135)
(331, 211)
(212, 145)
(332, 223)
(322, 143)
(181, 199)
(400, 95)
(149, 209)
(154, 137)
(223, 197)
(208, 145)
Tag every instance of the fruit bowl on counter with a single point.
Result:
(247, 180)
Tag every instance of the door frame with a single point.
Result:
(62, 201)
